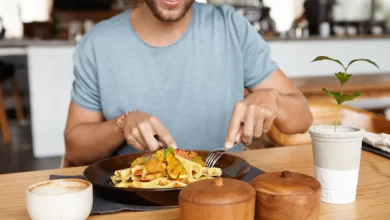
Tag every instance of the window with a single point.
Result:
(15, 12)
(35, 10)
(284, 12)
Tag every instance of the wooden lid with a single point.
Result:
(285, 184)
(218, 191)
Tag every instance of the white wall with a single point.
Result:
(50, 78)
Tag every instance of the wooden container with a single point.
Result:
(217, 199)
(286, 195)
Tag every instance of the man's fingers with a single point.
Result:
(162, 132)
(239, 134)
(235, 124)
(258, 130)
(132, 141)
(268, 123)
(161, 145)
(148, 135)
(138, 136)
(249, 122)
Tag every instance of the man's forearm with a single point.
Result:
(87, 143)
(293, 114)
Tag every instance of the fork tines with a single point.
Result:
(213, 157)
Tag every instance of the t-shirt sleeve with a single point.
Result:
(258, 64)
(85, 88)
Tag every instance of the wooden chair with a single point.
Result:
(325, 113)
(7, 74)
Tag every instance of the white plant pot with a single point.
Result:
(336, 158)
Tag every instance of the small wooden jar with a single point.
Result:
(217, 199)
(286, 195)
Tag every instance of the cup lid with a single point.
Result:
(285, 183)
(218, 191)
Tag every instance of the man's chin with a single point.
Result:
(170, 16)
(168, 13)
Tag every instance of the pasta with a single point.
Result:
(170, 168)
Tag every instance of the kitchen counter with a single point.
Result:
(26, 43)
(37, 42)
(374, 89)
(331, 38)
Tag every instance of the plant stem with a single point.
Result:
(337, 116)
(338, 108)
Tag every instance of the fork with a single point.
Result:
(211, 159)
(161, 143)
(214, 156)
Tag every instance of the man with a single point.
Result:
(175, 70)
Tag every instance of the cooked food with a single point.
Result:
(170, 168)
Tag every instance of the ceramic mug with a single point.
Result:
(60, 199)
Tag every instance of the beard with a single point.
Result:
(168, 15)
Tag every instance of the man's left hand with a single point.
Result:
(254, 116)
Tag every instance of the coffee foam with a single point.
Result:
(59, 187)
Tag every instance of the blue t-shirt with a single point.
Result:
(191, 85)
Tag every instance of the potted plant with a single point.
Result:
(337, 148)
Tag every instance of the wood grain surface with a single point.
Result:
(373, 196)
(325, 113)
(370, 85)
(287, 195)
(226, 199)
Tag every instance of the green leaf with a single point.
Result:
(336, 95)
(365, 60)
(169, 149)
(340, 99)
(321, 58)
(196, 158)
(351, 97)
(342, 77)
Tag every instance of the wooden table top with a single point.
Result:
(373, 196)
(364, 83)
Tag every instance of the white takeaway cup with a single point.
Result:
(336, 158)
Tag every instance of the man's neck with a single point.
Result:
(155, 32)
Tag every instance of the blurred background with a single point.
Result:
(38, 37)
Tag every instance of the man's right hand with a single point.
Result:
(140, 128)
